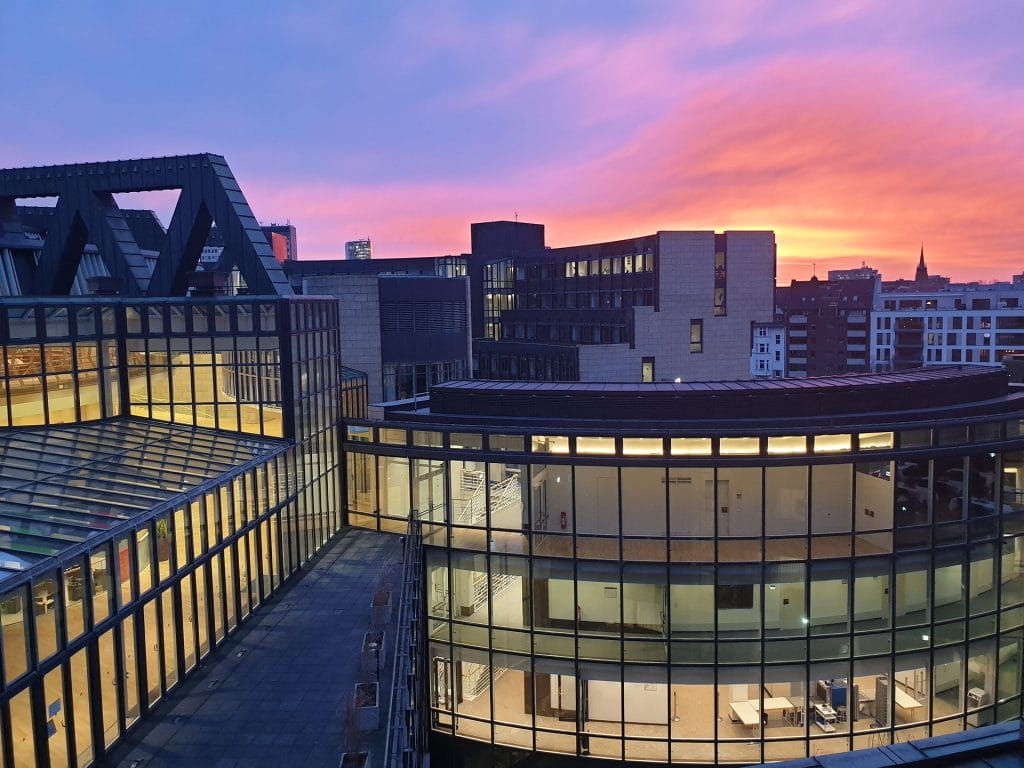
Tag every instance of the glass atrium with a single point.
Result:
(732, 591)
(164, 466)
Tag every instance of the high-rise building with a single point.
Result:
(358, 250)
(863, 272)
(283, 241)
(827, 324)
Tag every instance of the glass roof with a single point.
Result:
(62, 485)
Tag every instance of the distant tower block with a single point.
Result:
(357, 250)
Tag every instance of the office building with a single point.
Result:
(358, 250)
(672, 305)
(707, 573)
(406, 332)
(667, 306)
(863, 272)
(960, 324)
(283, 239)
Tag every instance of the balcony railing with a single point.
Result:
(407, 733)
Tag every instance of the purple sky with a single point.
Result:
(856, 130)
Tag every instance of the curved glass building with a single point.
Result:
(709, 573)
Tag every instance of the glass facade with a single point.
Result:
(707, 598)
(137, 539)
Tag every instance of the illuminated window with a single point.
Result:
(832, 443)
(739, 446)
(644, 446)
(794, 444)
(697, 335)
(720, 274)
(392, 436)
(601, 445)
(549, 444)
(875, 441)
(691, 446)
(647, 369)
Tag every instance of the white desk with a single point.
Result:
(745, 712)
(905, 701)
(749, 712)
(776, 704)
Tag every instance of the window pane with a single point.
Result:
(81, 702)
(15, 634)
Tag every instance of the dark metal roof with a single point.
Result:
(994, 746)
(953, 389)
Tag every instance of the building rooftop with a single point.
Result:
(60, 486)
(956, 390)
(994, 746)
(275, 692)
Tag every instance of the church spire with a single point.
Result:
(921, 276)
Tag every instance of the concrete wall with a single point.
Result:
(686, 288)
(359, 299)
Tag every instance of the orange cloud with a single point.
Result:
(847, 158)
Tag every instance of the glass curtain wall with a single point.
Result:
(109, 634)
(707, 601)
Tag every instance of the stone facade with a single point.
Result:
(686, 280)
(359, 298)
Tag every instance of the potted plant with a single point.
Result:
(359, 759)
(163, 539)
(373, 652)
(366, 707)
(356, 755)
(380, 608)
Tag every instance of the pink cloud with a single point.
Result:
(846, 157)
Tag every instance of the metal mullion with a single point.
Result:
(531, 622)
(489, 571)
(667, 569)
(714, 601)
(576, 614)
(6, 735)
(117, 643)
(762, 569)
(891, 704)
(37, 712)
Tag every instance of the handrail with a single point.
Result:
(405, 741)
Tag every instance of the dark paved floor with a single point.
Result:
(282, 702)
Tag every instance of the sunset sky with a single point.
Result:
(855, 129)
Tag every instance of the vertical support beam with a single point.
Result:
(189, 228)
(62, 251)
